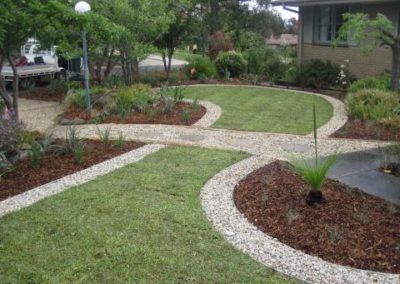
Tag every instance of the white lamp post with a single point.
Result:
(83, 7)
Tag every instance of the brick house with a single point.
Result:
(319, 20)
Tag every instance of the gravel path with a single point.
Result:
(216, 195)
(217, 202)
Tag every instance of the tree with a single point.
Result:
(19, 20)
(177, 31)
(360, 27)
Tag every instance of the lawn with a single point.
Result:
(266, 110)
(143, 223)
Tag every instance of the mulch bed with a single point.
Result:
(352, 228)
(173, 118)
(358, 129)
(25, 177)
(41, 94)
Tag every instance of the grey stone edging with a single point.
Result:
(217, 202)
(34, 195)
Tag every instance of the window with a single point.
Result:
(328, 21)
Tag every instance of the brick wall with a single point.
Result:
(375, 63)
(360, 65)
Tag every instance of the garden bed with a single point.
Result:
(352, 228)
(41, 93)
(358, 129)
(53, 167)
(175, 117)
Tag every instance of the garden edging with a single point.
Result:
(34, 195)
(217, 202)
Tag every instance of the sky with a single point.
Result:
(284, 13)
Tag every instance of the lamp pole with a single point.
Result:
(83, 7)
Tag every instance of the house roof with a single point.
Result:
(324, 2)
(283, 39)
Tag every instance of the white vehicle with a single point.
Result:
(42, 65)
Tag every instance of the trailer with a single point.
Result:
(42, 65)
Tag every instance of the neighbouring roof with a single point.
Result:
(324, 2)
(283, 39)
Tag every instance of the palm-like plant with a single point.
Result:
(315, 172)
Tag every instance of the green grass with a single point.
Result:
(140, 224)
(265, 110)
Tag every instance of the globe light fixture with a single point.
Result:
(82, 7)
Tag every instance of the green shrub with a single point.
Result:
(249, 40)
(113, 81)
(320, 74)
(379, 83)
(76, 98)
(120, 142)
(371, 104)
(232, 62)
(58, 87)
(203, 66)
(186, 116)
(154, 79)
(264, 61)
(134, 97)
(36, 154)
(79, 151)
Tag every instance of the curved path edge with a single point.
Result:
(34, 195)
(217, 202)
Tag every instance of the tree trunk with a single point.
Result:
(3, 92)
(394, 82)
(164, 59)
(15, 88)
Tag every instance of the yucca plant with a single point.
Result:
(314, 172)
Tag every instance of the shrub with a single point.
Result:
(218, 42)
(79, 151)
(203, 66)
(76, 98)
(263, 61)
(320, 74)
(371, 104)
(113, 81)
(58, 87)
(37, 153)
(378, 83)
(232, 62)
(130, 98)
(186, 116)
(11, 133)
(104, 134)
(120, 143)
(274, 69)
(249, 40)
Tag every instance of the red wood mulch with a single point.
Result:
(173, 118)
(368, 234)
(54, 167)
(358, 129)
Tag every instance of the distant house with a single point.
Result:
(283, 39)
(319, 21)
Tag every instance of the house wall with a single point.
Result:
(361, 65)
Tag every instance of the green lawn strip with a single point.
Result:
(266, 110)
(143, 223)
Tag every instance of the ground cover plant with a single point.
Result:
(140, 223)
(267, 110)
(136, 104)
(352, 228)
